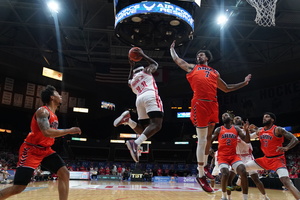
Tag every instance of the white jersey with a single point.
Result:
(142, 82)
(243, 148)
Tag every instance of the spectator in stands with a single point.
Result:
(107, 170)
(119, 170)
(114, 170)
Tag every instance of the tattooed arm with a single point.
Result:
(42, 117)
(279, 131)
(180, 62)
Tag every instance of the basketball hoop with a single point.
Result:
(265, 11)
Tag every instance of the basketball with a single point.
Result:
(134, 55)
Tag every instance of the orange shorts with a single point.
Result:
(32, 156)
(229, 160)
(204, 113)
(271, 163)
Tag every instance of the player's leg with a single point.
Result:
(240, 169)
(22, 178)
(224, 168)
(258, 183)
(283, 175)
(55, 164)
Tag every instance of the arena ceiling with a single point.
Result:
(91, 54)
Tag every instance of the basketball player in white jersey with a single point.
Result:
(244, 151)
(148, 103)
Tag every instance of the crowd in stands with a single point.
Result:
(124, 169)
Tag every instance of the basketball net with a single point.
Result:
(265, 11)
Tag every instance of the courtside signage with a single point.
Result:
(155, 7)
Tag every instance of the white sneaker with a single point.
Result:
(123, 119)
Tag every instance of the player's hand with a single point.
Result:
(282, 149)
(246, 125)
(75, 130)
(248, 78)
(173, 44)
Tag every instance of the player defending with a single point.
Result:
(148, 103)
(244, 151)
(204, 81)
(227, 136)
(271, 138)
(37, 150)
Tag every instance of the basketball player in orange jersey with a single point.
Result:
(37, 150)
(244, 151)
(204, 81)
(227, 136)
(271, 138)
(148, 103)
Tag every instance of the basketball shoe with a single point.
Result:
(204, 184)
(208, 174)
(123, 119)
(133, 148)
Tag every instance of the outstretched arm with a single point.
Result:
(288, 135)
(42, 116)
(180, 62)
(232, 87)
(132, 63)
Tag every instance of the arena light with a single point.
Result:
(79, 139)
(127, 135)
(53, 6)
(181, 142)
(50, 73)
(117, 141)
(222, 20)
(146, 142)
(82, 110)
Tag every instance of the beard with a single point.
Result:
(265, 123)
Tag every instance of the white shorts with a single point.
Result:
(215, 171)
(247, 158)
(147, 102)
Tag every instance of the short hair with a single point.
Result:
(47, 93)
(207, 54)
(272, 115)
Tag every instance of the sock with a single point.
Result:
(140, 139)
(238, 182)
(229, 197)
(223, 195)
(200, 152)
(132, 124)
(245, 196)
(201, 170)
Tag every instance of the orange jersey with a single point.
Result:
(269, 142)
(36, 136)
(227, 141)
(203, 81)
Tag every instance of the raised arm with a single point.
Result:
(232, 87)
(288, 135)
(180, 62)
(42, 117)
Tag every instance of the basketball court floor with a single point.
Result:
(123, 190)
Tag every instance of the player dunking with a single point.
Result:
(227, 136)
(37, 150)
(271, 138)
(204, 81)
(148, 103)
